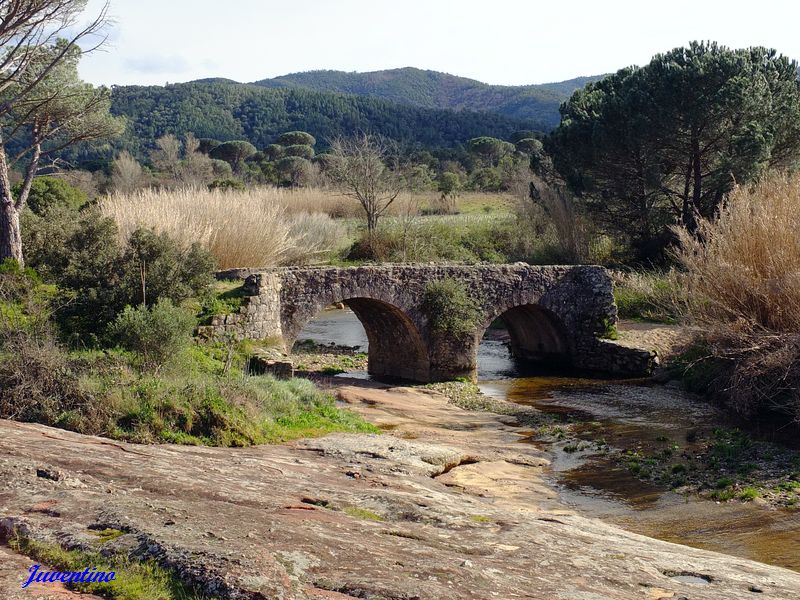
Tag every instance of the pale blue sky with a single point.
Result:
(496, 41)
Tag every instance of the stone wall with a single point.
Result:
(549, 310)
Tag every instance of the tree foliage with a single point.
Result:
(301, 150)
(44, 106)
(235, 153)
(296, 138)
(47, 192)
(490, 149)
(665, 143)
(229, 111)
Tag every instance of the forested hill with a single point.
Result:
(228, 110)
(431, 89)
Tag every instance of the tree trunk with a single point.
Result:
(691, 207)
(372, 224)
(10, 236)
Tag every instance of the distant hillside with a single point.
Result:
(431, 89)
(226, 110)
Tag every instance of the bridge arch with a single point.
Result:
(536, 333)
(396, 347)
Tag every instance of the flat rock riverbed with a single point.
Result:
(447, 503)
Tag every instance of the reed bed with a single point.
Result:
(253, 228)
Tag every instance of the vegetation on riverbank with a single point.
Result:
(722, 464)
(742, 293)
(143, 377)
(133, 579)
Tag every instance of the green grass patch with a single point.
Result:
(226, 299)
(749, 493)
(132, 580)
(106, 535)
(479, 519)
(229, 411)
(362, 513)
(723, 495)
(644, 297)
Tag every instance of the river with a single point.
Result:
(621, 413)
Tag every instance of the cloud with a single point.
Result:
(157, 64)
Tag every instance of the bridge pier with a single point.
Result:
(552, 313)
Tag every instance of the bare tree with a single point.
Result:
(196, 169)
(126, 174)
(407, 217)
(44, 106)
(360, 168)
(166, 156)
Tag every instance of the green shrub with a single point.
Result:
(450, 308)
(226, 185)
(645, 296)
(158, 334)
(154, 266)
(80, 253)
(52, 192)
(226, 300)
(229, 411)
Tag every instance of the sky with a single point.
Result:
(508, 42)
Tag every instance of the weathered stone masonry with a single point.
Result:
(550, 311)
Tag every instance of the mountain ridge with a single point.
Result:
(434, 89)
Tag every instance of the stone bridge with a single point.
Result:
(552, 313)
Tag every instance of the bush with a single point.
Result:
(98, 275)
(24, 301)
(450, 308)
(486, 179)
(52, 192)
(743, 294)
(41, 384)
(154, 266)
(226, 185)
(158, 335)
(646, 296)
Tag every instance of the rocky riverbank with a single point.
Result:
(445, 504)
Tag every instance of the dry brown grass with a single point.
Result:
(742, 287)
(254, 228)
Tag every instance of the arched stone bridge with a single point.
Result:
(551, 312)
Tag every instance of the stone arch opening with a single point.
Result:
(396, 349)
(536, 335)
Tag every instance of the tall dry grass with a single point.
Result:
(742, 286)
(253, 228)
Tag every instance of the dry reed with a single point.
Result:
(254, 228)
(742, 286)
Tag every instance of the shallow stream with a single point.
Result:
(622, 414)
